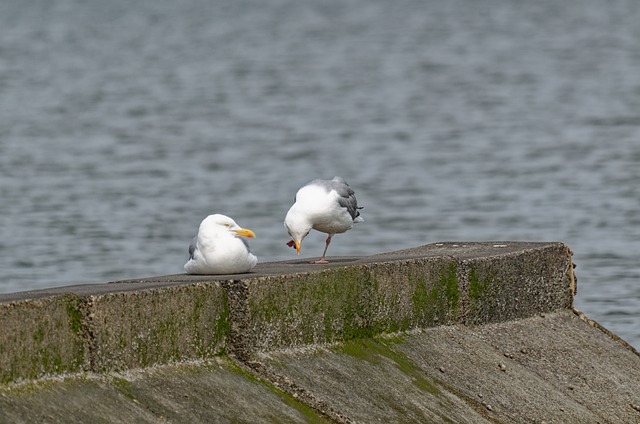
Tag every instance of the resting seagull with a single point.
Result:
(219, 249)
(328, 206)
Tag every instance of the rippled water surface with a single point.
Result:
(123, 124)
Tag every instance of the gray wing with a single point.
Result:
(347, 196)
(192, 247)
(246, 243)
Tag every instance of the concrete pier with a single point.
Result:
(447, 332)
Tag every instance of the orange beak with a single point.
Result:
(297, 243)
(245, 233)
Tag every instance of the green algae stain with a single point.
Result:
(200, 331)
(449, 281)
(222, 325)
(209, 312)
(361, 349)
(340, 303)
(482, 295)
(75, 317)
(125, 387)
(420, 298)
(355, 305)
(373, 350)
(38, 335)
(440, 300)
(310, 415)
(351, 303)
(478, 286)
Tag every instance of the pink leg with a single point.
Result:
(326, 246)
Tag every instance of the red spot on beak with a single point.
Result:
(295, 245)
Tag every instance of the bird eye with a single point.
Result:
(227, 225)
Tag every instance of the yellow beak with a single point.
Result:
(244, 232)
(297, 243)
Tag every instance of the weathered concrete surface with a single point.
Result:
(417, 288)
(157, 326)
(449, 332)
(164, 319)
(553, 368)
(41, 336)
(111, 331)
(216, 391)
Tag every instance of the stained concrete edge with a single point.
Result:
(552, 367)
(138, 323)
(459, 250)
(460, 283)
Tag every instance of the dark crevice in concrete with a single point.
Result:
(237, 294)
(85, 306)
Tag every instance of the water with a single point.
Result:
(123, 124)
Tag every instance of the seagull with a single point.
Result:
(218, 249)
(328, 206)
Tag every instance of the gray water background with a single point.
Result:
(123, 124)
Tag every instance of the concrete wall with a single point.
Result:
(276, 333)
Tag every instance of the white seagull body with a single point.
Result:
(219, 249)
(328, 206)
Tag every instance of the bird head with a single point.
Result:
(222, 223)
(297, 229)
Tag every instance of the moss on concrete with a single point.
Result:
(336, 304)
(437, 301)
(311, 415)
(125, 387)
(481, 291)
(40, 337)
(295, 305)
(476, 287)
(345, 303)
(75, 315)
(159, 326)
(449, 281)
(373, 350)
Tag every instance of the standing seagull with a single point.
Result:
(218, 249)
(328, 206)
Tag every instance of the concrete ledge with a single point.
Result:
(399, 293)
(159, 320)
